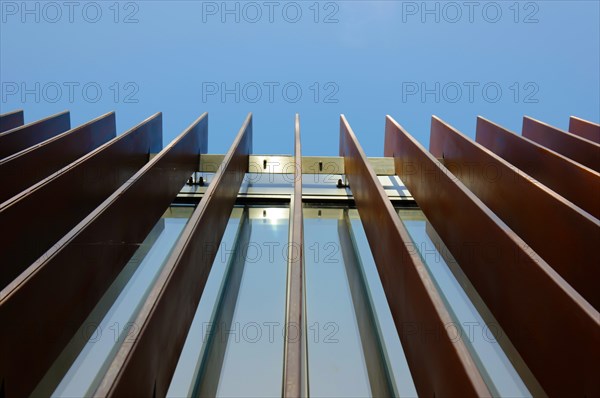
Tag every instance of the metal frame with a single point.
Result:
(573, 181)
(439, 366)
(104, 242)
(524, 204)
(22, 137)
(145, 367)
(11, 120)
(541, 313)
(71, 194)
(73, 280)
(572, 146)
(23, 169)
(295, 370)
(286, 164)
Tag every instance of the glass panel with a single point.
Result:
(393, 352)
(235, 345)
(82, 364)
(194, 350)
(482, 334)
(336, 363)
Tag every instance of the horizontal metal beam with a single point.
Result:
(525, 205)
(576, 148)
(539, 311)
(20, 138)
(23, 169)
(439, 366)
(69, 195)
(43, 308)
(575, 182)
(285, 164)
(145, 366)
(11, 120)
(584, 129)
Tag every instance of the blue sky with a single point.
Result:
(363, 59)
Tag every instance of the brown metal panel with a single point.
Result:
(69, 195)
(524, 205)
(144, 367)
(23, 169)
(576, 148)
(584, 129)
(11, 120)
(294, 371)
(439, 366)
(573, 181)
(59, 290)
(20, 138)
(555, 330)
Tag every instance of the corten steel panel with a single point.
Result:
(439, 366)
(11, 120)
(144, 367)
(576, 148)
(555, 330)
(294, 371)
(69, 195)
(584, 129)
(23, 169)
(573, 181)
(23, 137)
(525, 206)
(60, 289)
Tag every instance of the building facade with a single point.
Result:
(133, 269)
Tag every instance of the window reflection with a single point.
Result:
(499, 363)
(235, 345)
(336, 363)
(81, 366)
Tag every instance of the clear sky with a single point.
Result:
(365, 59)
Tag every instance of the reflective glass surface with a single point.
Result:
(336, 363)
(80, 367)
(402, 382)
(498, 361)
(235, 345)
